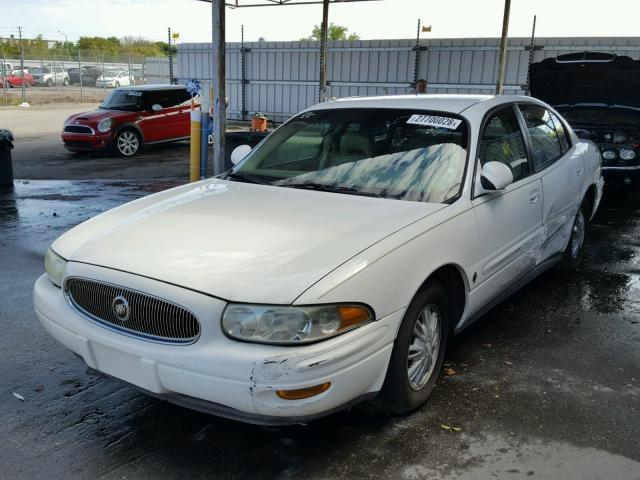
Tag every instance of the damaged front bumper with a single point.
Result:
(216, 374)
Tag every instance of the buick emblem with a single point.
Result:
(120, 308)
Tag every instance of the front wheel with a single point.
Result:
(65, 82)
(418, 351)
(117, 84)
(127, 143)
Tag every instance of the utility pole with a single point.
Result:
(218, 86)
(532, 48)
(21, 62)
(324, 28)
(503, 48)
(170, 57)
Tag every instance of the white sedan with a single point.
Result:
(113, 79)
(332, 263)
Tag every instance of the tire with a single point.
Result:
(65, 82)
(49, 83)
(407, 386)
(572, 256)
(117, 84)
(127, 143)
(7, 84)
(27, 85)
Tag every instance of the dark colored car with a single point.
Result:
(129, 118)
(599, 95)
(89, 75)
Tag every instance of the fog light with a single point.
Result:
(627, 180)
(301, 393)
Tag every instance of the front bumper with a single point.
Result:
(621, 176)
(86, 142)
(216, 374)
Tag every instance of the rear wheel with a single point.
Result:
(65, 82)
(572, 257)
(418, 351)
(127, 143)
(49, 83)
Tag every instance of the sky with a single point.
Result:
(370, 20)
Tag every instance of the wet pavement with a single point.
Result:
(547, 385)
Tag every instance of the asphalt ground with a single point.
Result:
(546, 385)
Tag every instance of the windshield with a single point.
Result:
(38, 70)
(111, 73)
(606, 116)
(129, 100)
(392, 153)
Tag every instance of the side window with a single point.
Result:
(545, 144)
(180, 97)
(562, 134)
(502, 141)
(300, 151)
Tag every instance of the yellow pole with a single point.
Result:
(194, 163)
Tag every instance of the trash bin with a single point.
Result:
(6, 166)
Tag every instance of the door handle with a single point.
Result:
(534, 196)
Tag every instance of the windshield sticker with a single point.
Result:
(135, 94)
(434, 121)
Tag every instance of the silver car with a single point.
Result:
(50, 75)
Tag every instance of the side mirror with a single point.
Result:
(495, 176)
(239, 153)
(156, 107)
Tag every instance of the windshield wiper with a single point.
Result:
(247, 177)
(330, 188)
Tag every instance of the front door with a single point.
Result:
(509, 221)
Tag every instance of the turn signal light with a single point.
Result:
(352, 316)
(301, 393)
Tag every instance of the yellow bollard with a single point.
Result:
(194, 163)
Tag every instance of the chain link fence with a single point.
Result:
(60, 75)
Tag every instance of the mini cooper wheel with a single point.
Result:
(127, 143)
(418, 351)
(572, 257)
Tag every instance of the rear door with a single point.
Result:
(509, 221)
(561, 170)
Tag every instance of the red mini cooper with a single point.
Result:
(129, 118)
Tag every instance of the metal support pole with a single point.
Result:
(243, 79)
(170, 58)
(218, 99)
(417, 60)
(532, 48)
(194, 157)
(129, 67)
(503, 48)
(55, 73)
(324, 28)
(204, 138)
(81, 75)
(21, 62)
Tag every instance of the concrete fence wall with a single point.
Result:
(281, 78)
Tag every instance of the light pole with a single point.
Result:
(65, 43)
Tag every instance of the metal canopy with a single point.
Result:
(277, 3)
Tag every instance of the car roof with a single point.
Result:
(146, 88)
(436, 102)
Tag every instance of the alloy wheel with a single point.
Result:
(128, 143)
(577, 234)
(424, 347)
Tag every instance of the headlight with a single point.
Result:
(291, 325)
(55, 266)
(627, 154)
(609, 155)
(104, 125)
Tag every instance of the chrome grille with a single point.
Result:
(147, 317)
(78, 129)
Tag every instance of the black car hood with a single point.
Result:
(586, 77)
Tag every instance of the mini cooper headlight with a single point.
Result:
(104, 125)
(609, 154)
(291, 325)
(55, 267)
(627, 154)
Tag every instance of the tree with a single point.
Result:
(335, 32)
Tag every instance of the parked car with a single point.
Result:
(599, 95)
(333, 262)
(113, 79)
(6, 68)
(16, 78)
(89, 75)
(129, 118)
(49, 75)
(138, 76)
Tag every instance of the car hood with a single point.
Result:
(587, 77)
(238, 241)
(96, 115)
